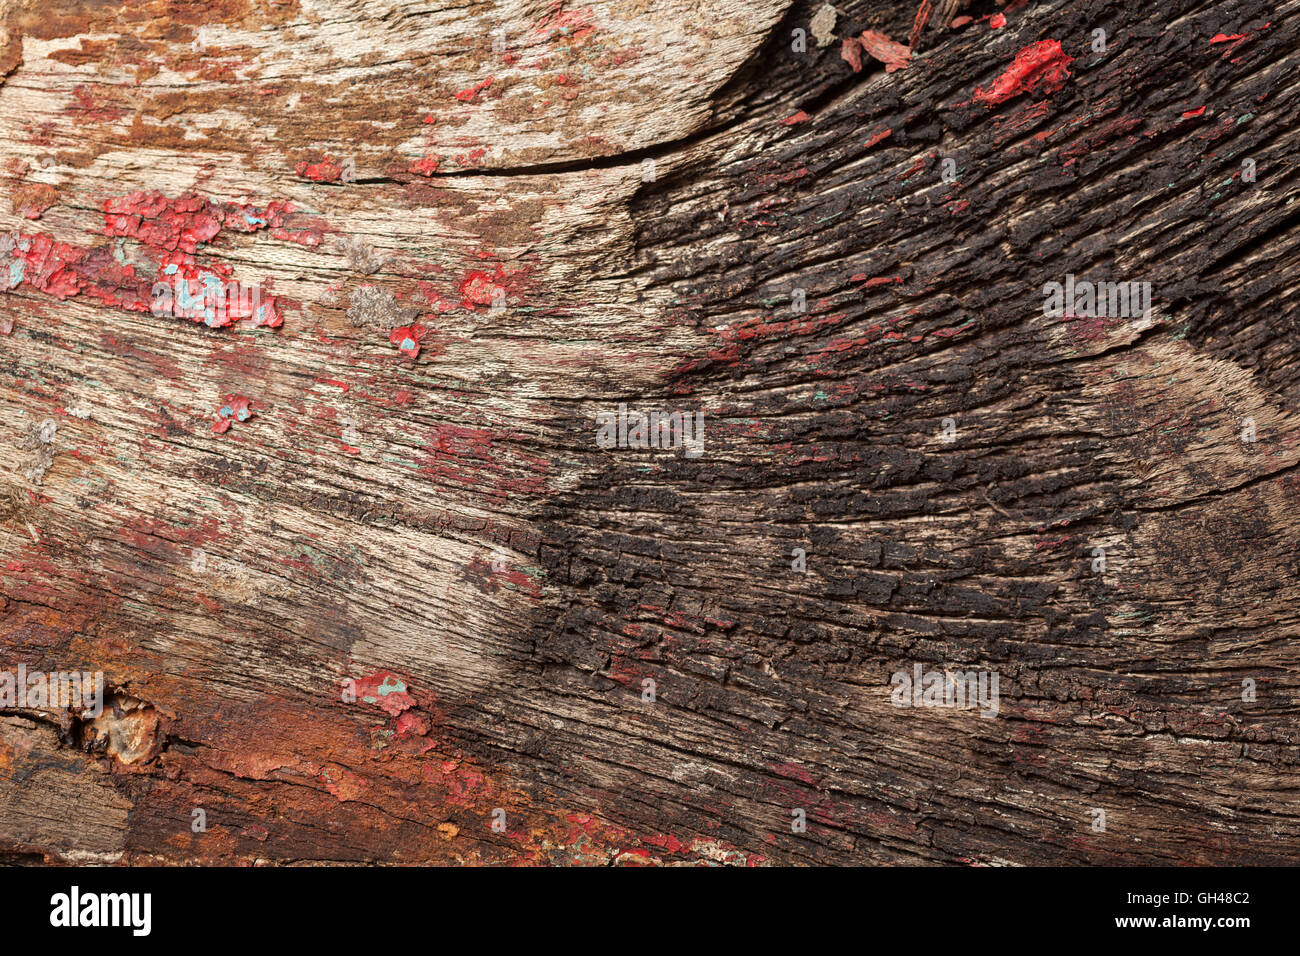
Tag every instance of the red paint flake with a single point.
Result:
(997, 21)
(880, 137)
(919, 22)
(426, 166)
(895, 56)
(469, 93)
(326, 171)
(49, 266)
(915, 168)
(410, 723)
(1038, 546)
(1043, 64)
(386, 691)
(477, 289)
(792, 771)
(472, 158)
(1225, 38)
(462, 786)
(407, 338)
(800, 117)
(183, 223)
(851, 53)
(1191, 113)
(666, 842)
(489, 580)
(883, 280)
(235, 408)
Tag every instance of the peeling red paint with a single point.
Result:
(386, 691)
(179, 224)
(468, 94)
(489, 579)
(799, 117)
(325, 171)
(880, 137)
(477, 288)
(851, 53)
(407, 338)
(1040, 65)
(411, 724)
(170, 232)
(235, 408)
(894, 55)
(426, 166)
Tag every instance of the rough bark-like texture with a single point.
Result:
(474, 229)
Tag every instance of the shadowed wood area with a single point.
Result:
(309, 313)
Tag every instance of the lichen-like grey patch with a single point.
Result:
(823, 25)
(360, 255)
(39, 440)
(376, 308)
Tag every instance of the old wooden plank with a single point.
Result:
(649, 186)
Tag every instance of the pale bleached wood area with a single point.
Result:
(475, 229)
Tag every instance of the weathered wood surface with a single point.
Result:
(447, 521)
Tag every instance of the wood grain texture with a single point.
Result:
(648, 185)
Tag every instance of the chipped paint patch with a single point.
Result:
(468, 94)
(386, 691)
(407, 339)
(234, 409)
(1041, 66)
(894, 55)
